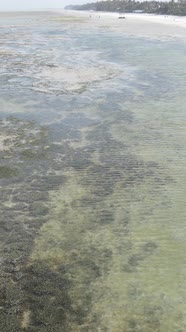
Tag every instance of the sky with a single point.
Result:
(37, 4)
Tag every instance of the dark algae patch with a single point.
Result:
(92, 181)
(30, 154)
(7, 172)
(24, 209)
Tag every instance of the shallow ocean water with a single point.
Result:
(92, 177)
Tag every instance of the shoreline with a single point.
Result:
(135, 24)
(155, 18)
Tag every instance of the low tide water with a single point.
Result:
(92, 178)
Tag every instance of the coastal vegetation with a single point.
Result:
(130, 6)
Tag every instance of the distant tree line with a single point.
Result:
(123, 6)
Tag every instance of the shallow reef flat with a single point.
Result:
(92, 177)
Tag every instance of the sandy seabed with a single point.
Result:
(92, 181)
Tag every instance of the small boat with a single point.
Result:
(121, 16)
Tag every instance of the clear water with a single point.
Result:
(92, 177)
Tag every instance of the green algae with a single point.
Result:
(7, 172)
(23, 211)
(31, 154)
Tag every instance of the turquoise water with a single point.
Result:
(92, 177)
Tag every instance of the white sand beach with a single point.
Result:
(154, 26)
